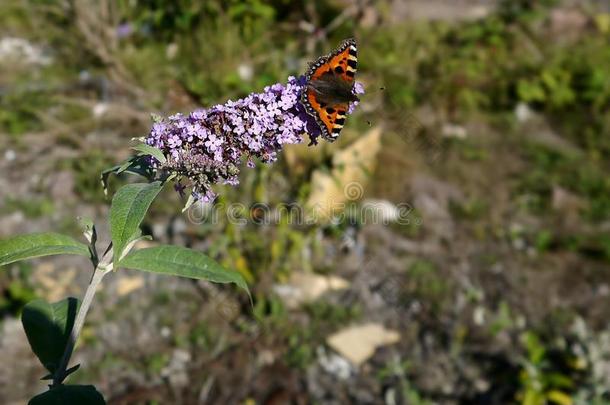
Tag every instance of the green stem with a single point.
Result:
(102, 268)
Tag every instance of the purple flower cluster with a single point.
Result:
(206, 147)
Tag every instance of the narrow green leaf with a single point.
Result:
(72, 369)
(69, 395)
(151, 151)
(183, 262)
(48, 327)
(129, 206)
(189, 202)
(39, 244)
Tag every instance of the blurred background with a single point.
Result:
(480, 156)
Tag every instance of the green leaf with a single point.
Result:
(134, 165)
(39, 244)
(183, 262)
(150, 151)
(189, 202)
(129, 206)
(69, 395)
(48, 327)
(72, 369)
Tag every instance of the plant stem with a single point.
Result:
(102, 268)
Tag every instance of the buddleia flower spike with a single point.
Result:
(207, 146)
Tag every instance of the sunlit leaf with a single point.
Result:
(150, 151)
(129, 206)
(183, 262)
(39, 244)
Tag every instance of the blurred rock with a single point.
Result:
(307, 287)
(265, 358)
(245, 72)
(171, 51)
(441, 10)
(358, 343)
(568, 22)
(453, 131)
(523, 112)
(99, 109)
(51, 287)
(346, 182)
(334, 364)
(128, 284)
(10, 155)
(379, 211)
(178, 226)
(176, 371)
(20, 50)
(478, 315)
(159, 230)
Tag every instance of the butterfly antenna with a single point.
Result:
(382, 88)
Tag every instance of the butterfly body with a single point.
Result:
(329, 90)
(332, 90)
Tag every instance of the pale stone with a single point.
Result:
(358, 343)
(331, 192)
(127, 285)
(307, 287)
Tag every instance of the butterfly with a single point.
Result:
(329, 88)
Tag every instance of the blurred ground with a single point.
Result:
(490, 284)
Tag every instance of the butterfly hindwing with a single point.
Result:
(342, 63)
(330, 119)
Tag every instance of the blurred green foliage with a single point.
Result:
(16, 290)
(546, 377)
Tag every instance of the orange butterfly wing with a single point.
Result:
(343, 61)
(330, 118)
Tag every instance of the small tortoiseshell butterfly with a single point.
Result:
(329, 90)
